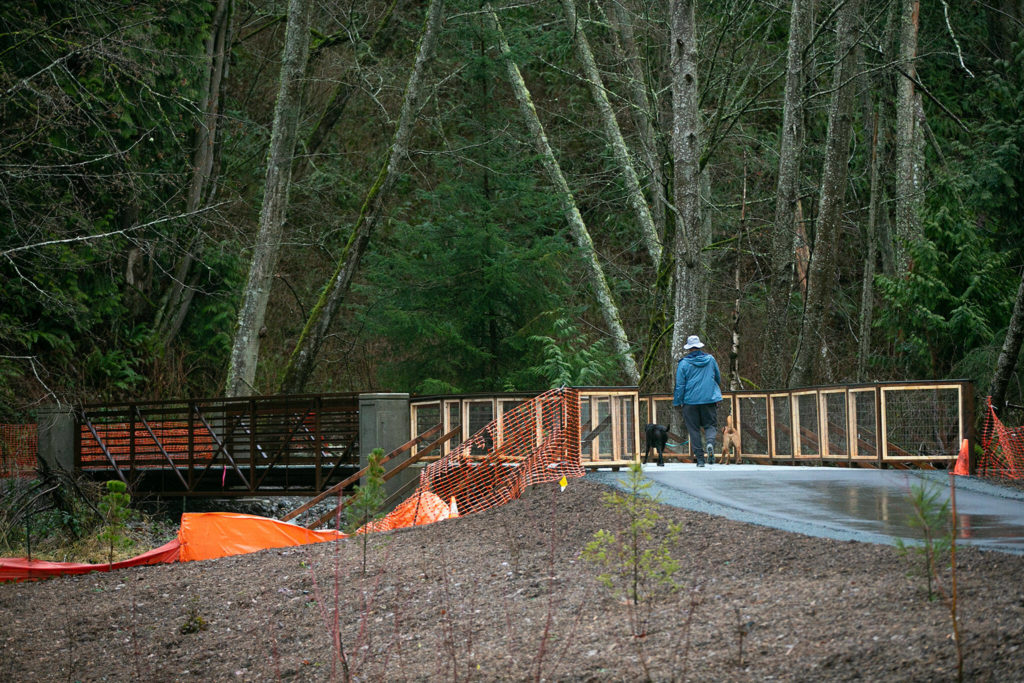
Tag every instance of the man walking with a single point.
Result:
(697, 396)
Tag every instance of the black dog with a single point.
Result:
(656, 437)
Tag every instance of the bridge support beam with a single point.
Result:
(384, 423)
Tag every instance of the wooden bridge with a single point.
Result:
(305, 445)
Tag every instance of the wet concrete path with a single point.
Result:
(846, 504)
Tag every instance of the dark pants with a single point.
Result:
(696, 417)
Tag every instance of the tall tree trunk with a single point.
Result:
(342, 93)
(1007, 361)
(637, 201)
(307, 347)
(734, 350)
(908, 134)
(688, 242)
(812, 349)
(175, 302)
(867, 296)
(595, 274)
(644, 107)
(245, 350)
(777, 343)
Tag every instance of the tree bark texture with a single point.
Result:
(777, 342)
(177, 299)
(303, 357)
(811, 356)
(1007, 361)
(595, 274)
(688, 242)
(908, 134)
(637, 201)
(252, 312)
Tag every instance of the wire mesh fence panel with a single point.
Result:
(722, 413)
(782, 426)
(866, 418)
(586, 444)
(626, 427)
(807, 425)
(425, 416)
(601, 432)
(452, 419)
(836, 417)
(922, 422)
(753, 426)
(663, 411)
(480, 414)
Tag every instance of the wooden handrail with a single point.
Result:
(401, 466)
(355, 477)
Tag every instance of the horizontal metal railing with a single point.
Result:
(294, 444)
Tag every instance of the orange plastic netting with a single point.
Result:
(535, 442)
(1003, 448)
(18, 447)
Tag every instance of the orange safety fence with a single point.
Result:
(18, 447)
(1002, 448)
(536, 442)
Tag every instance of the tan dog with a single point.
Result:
(730, 442)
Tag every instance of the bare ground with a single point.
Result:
(505, 595)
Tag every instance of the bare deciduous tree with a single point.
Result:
(303, 357)
(595, 274)
(266, 251)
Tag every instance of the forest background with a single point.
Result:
(245, 197)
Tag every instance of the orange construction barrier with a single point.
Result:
(206, 535)
(18, 448)
(420, 508)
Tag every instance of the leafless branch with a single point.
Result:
(123, 232)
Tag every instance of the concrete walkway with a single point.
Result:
(830, 502)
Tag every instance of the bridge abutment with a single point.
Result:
(384, 423)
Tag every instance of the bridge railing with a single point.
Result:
(234, 445)
(872, 424)
(255, 445)
(882, 423)
(610, 434)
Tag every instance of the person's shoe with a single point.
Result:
(709, 450)
(700, 462)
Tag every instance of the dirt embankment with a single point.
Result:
(505, 595)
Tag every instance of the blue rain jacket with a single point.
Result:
(697, 380)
